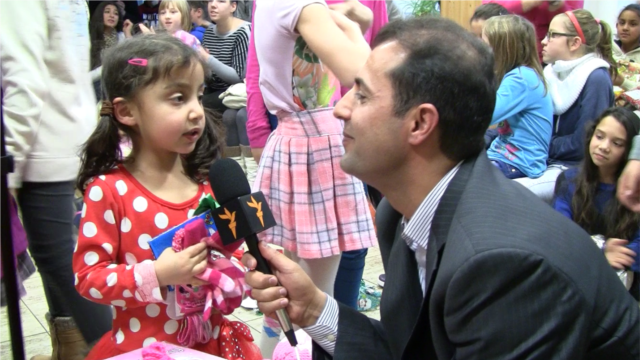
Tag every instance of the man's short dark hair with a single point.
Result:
(447, 66)
(487, 11)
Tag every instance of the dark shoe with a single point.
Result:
(381, 280)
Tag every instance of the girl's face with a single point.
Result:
(110, 16)
(171, 19)
(628, 27)
(608, 144)
(476, 26)
(554, 45)
(168, 115)
(221, 10)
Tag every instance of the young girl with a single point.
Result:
(153, 86)
(175, 18)
(320, 210)
(577, 48)
(523, 111)
(225, 50)
(105, 30)
(627, 47)
(587, 195)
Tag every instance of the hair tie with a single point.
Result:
(576, 24)
(106, 109)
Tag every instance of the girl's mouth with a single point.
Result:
(192, 135)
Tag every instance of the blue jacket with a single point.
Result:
(198, 32)
(567, 142)
(524, 116)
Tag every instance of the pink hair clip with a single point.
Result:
(138, 62)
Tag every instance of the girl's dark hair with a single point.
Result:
(96, 31)
(487, 11)
(202, 5)
(597, 35)
(619, 221)
(165, 57)
(631, 7)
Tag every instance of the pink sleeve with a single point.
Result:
(513, 6)
(258, 127)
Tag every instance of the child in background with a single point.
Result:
(105, 30)
(199, 17)
(153, 88)
(483, 13)
(175, 18)
(626, 48)
(587, 194)
(524, 112)
(581, 66)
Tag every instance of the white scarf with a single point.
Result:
(565, 79)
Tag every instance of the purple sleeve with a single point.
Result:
(258, 128)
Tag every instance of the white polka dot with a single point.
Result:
(108, 248)
(113, 312)
(170, 327)
(143, 241)
(138, 279)
(152, 310)
(102, 177)
(211, 231)
(119, 336)
(95, 193)
(75, 249)
(75, 276)
(121, 187)
(128, 267)
(89, 229)
(148, 341)
(108, 217)
(127, 294)
(84, 210)
(91, 258)
(95, 293)
(134, 325)
(130, 259)
(120, 303)
(190, 213)
(138, 297)
(216, 332)
(157, 294)
(112, 279)
(140, 204)
(161, 220)
(125, 225)
(112, 266)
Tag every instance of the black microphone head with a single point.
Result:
(227, 180)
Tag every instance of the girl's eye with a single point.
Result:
(200, 96)
(618, 144)
(177, 98)
(599, 136)
(359, 97)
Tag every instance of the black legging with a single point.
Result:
(47, 215)
(235, 122)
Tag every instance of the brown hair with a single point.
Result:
(183, 7)
(165, 56)
(513, 40)
(597, 35)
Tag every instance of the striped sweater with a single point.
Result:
(230, 49)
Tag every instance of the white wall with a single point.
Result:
(607, 10)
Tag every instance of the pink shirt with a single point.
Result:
(258, 127)
(539, 16)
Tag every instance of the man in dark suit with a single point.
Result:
(476, 266)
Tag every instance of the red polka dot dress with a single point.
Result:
(113, 265)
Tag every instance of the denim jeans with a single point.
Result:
(47, 214)
(347, 286)
(510, 171)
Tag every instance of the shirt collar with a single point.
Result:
(417, 229)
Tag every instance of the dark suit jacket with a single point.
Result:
(507, 278)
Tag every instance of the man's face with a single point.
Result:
(374, 137)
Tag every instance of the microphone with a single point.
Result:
(242, 215)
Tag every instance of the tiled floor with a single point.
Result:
(36, 332)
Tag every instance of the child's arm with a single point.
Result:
(512, 96)
(100, 275)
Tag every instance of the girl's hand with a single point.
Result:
(145, 30)
(180, 268)
(127, 25)
(355, 12)
(618, 255)
(203, 52)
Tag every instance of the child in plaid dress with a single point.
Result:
(320, 210)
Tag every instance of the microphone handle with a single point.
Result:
(263, 267)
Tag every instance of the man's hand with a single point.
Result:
(618, 255)
(629, 186)
(297, 294)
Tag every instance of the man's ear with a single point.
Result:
(424, 120)
(124, 111)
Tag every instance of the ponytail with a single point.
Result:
(605, 48)
(101, 152)
(595, 35)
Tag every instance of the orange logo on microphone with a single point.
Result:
(258, 206)
(232, 221)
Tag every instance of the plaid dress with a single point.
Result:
(319, 209)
